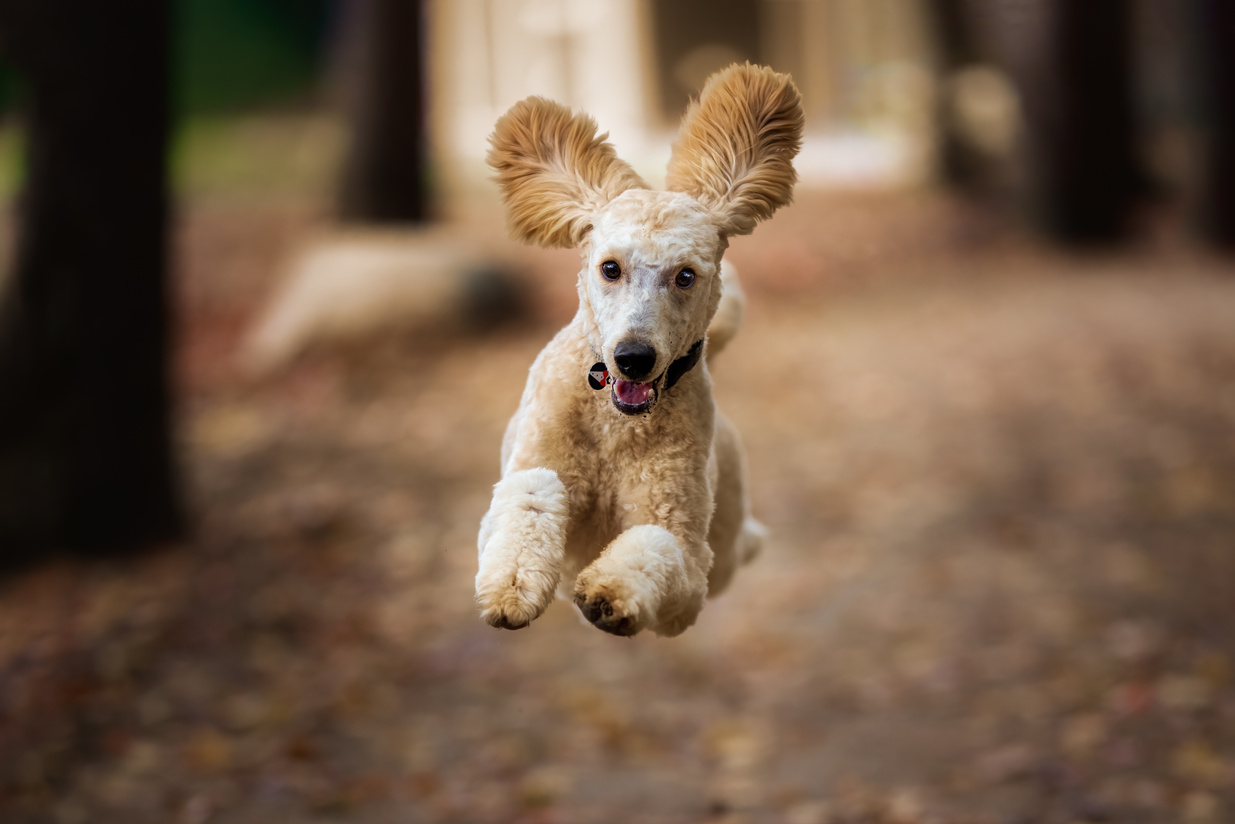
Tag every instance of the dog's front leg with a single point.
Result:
(651, 576)
(522, 543)
(645, 579)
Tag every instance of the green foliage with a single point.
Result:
(234, 54)
(269, 156)
(11, 160)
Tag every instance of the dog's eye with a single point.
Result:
(685, 279)
(610, 270)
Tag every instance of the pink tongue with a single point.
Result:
(632, 394)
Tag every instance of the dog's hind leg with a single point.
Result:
(729, 312)
(735, 537)
(522, 544)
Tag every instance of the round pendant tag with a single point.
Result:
(598, 376)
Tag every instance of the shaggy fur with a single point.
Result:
(632, 500)
(555, 171)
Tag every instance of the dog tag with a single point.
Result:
(598, 376)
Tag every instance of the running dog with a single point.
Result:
(621, 485)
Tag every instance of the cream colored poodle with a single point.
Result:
(621, 484)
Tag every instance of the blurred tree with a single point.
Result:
(695, 38)
(384, 179)
(959, 47)
(1213, 32)
(86, 456)
(6, 91)
(230, 54)
(1077, 100)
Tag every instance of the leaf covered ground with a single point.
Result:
(1000, 484)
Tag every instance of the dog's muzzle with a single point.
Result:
(636, 398)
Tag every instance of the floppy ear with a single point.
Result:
(555, 172)
(734, 153)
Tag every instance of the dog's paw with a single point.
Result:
(640, 581)
(521, 546)
(611, 606)
(510, 596)
(750, 540)
(510, 608)
(600, 611)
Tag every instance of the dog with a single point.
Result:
(621, 485)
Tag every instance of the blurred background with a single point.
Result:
(261, 331)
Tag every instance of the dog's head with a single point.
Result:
(650, 281)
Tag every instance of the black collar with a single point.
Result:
(683, 364)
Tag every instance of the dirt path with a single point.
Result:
(1001, 585)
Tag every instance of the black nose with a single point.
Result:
(635, 358)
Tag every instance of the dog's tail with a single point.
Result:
(728, 316)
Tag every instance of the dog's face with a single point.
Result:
(651, 281)
(651, 259)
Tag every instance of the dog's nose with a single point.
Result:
(635, 358)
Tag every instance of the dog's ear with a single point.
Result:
(555, 172)
(734, 153)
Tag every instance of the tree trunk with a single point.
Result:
(1213, 24)
(1077, 95)
(694, 38)
(86, 455)
(384, 177)
(961, 165)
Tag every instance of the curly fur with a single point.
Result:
(637, 512)
(735, 151)
(554, 171)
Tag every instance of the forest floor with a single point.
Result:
(1000, 587)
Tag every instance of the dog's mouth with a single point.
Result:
(632, 398)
